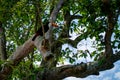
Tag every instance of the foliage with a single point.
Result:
(19, 18)
(23, 70)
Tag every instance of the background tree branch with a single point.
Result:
(2, 43)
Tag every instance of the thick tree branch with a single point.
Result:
(80, 70)
(109, 31)
(18, 55)
(49, 36)
(21, 52)
(53, 17)
(56, 10)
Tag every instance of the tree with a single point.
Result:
(20, 19)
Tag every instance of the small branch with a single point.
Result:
(72, 42)
(76, 17)
(76, 12)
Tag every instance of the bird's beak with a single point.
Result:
(54, 25)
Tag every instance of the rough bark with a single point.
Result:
(53, 17)
(52, 61)
(109, 31)
(80, 70)
(21, 52)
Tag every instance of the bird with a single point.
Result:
(39, 32)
